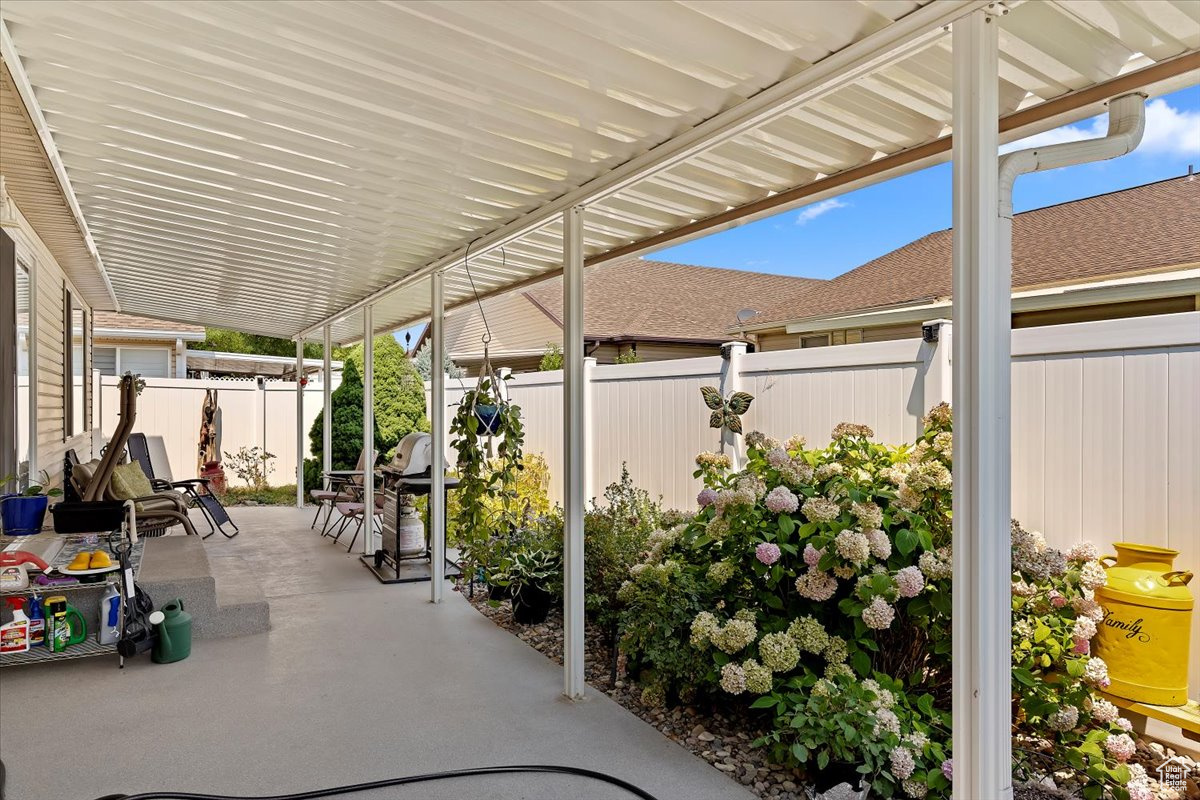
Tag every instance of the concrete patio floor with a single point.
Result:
(356, 681)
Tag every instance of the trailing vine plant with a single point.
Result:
(474, 429)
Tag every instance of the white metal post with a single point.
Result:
(327, 401)
(731, 381)
(574, 457)
(589, 432)
(368, 430)
(982, 656)
(300, 423)
(437, 420)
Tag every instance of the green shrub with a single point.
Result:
(399, 392)
(552, 358)
(312, 475)
(347, 435)
(817, 584)
(615, 534)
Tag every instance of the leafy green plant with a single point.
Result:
(423, 361)
(487, 497)
(628, 355)
(615, 534)
(42, 487)
(252, 465)
(398, 390)
(812, 573)
(535, 567)
(552, 358)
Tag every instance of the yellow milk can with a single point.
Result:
(1147, 623)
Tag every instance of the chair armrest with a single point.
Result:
(159, 485)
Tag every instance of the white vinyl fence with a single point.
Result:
(1105, 421)
(168, 412)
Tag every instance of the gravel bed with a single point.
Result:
(723, 740)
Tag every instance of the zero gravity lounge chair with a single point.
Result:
(197, 490)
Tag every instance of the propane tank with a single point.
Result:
(410, 531)
(1144, 636)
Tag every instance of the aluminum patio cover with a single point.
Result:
(301, 156)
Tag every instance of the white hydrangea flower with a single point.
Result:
(879, 614)
(902, 762)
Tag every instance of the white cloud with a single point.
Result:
(809, 213)
(1169, 132)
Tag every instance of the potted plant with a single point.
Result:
(22, 513)
(488, 504)
(530, 576)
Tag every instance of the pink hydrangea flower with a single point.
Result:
(706, 497)
(1119, 746)
(1082, 647)
(780, 500)
(767, 552)
(812, 556)
(910, 581)
(1057, 600)
(948, 769)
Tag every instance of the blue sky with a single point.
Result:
(831, 237)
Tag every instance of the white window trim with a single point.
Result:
(26, 261)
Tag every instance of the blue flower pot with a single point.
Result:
(21, 515)
(489, 419)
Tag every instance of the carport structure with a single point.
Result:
(323, 170)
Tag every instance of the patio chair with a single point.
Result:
(338, 489)
(93, 481)
(352, 512)
(196, 490)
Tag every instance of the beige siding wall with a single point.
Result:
(777, 340)
(516, 324)
(48, 282)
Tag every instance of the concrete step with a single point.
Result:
(222, 594)
(242, 608)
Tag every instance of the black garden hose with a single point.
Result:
(410, 779)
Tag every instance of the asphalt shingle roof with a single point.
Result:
(1144, 229)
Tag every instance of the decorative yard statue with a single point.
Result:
(726, 413)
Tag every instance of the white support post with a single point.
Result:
(982, 656)
(300, 423)
(574, 457)
(368, 484)
(180, 359)
(327, 401)
(437, 419)
(590, 490)
(937, 384)
(731, 381)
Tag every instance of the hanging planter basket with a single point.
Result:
(489, 418)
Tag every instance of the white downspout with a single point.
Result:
(1126, 122)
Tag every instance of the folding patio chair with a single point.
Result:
(353, 511)
(196, 490)
(338, 489)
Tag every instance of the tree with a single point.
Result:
(423, 361)
(398, 389)
(227, 341)
(347, 437)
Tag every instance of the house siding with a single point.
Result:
(49, 281)
(153, 344)
(516, 325)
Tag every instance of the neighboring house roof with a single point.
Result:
(109, 325)
(1145, 229)
(636, 298)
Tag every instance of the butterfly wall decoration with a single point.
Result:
(726, 413)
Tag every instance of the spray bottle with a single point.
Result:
(109, 630)
(14, 636)
(37, 622)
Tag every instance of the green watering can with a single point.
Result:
(173, 627)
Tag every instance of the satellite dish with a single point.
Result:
(745, 315)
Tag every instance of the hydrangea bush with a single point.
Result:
(814, 585)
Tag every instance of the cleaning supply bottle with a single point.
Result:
(14, 636)
(64, 624)
(14, 578)
(37, 622)
(109, 629)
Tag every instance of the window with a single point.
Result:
(149, 362)
(26, 387)
(815, 340)
(75, 383)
